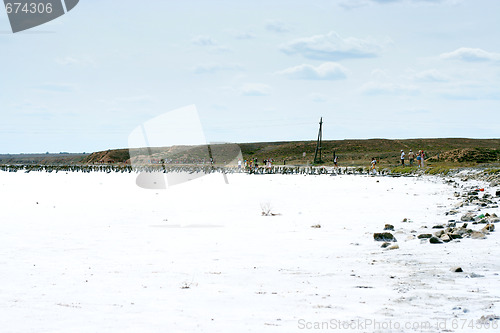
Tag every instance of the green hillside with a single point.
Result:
(450, 151)
(359, 152)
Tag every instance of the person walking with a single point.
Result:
(374, 163)
(422, 158)
(402, 157)
(411, 157)
(419, 158)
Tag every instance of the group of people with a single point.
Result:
(254, 163)
(420, 156)
(268, 163)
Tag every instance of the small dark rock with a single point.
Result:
(424, 236)
(493, 219)
(385, 244)
(488, 228)
(439, 226)
(389, 227)
(474, 275)
(435, 240)
(468, 217)
(486, 320)
(445, 238)
(439, 233)
(384, 237)
(497, 193)
(456, 269)
(477, 235)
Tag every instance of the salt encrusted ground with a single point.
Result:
(95, 253)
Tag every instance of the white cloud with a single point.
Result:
(379, 74)
(215, 68)
(326, 71)
(138, 99)
(470, 91)
(209, 43)
(416, 111)
(55, 87)
(418, 1)
(472, 95)
(431, 75)
(471, 55)
(332, 46)
(70, 60)
(409, 1)
(244, 35)
(317, 97)
(352, 4)
(204, 41)
(255, 89)
(276, 26)
(67, 61)
(377, 88)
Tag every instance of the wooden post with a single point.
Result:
(317, 154)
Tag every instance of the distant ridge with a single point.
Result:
(107, 156)
(351, 152)
(44, 159)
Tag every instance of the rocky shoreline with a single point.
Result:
(474, 215)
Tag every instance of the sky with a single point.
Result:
(255, 70)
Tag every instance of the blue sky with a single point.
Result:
(256, 70)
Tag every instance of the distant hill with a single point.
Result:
(356, 152)
(46, 159)
(107, 156)
(350, 152)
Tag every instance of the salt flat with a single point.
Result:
(95, 253)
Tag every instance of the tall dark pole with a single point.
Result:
(317, 154)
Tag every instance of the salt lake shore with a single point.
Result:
(93, 252)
